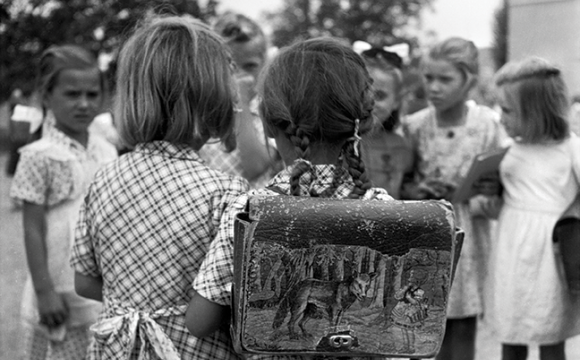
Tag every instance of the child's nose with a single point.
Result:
(84, 101)
(434, 86)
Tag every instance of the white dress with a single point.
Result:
(529, 302)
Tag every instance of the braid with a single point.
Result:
(356, 169)
(301, 145)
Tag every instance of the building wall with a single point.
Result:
(550, 29)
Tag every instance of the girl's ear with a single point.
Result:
(470, 81)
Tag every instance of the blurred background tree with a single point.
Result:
(28, 27)
(379, 22)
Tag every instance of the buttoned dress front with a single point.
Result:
(145, 226)
(446, 153)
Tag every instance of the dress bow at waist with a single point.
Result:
(128, 323)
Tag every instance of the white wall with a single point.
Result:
(550, 29)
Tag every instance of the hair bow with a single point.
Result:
(402, 50)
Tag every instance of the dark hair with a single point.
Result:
(57, 58)
(175, 83)
(541, 97)
(391, 63)
(238, 28)
(315, 91)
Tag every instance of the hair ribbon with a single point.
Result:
(356, 138)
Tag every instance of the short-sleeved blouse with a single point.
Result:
(56, 171)
(145, 227)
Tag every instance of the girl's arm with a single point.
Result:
(255, 156)
(89, 287)
(204, 317)
(51, 305)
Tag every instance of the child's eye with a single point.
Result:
(381, 95)
(93, 94)
(72, 93)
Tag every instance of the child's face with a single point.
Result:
(386, 97)
(75, 100)
(249, 56)
(445, 83)
(509, 118)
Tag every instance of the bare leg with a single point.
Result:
(514, 352)
(459, 339)
(553, 352)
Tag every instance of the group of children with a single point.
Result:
(152, 242)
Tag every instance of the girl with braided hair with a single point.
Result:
(316, 102)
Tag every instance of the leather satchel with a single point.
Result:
(342, 277)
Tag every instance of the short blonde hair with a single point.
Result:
(540, 95)
(462, 53)
(174, 83)
(58, 58)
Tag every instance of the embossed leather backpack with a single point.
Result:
(342, 277)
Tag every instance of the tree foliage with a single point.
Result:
(379, 22)
(29, 27)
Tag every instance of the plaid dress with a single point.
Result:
(214, 281)
(145, 227)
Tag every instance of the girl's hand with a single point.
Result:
(436, 189)
(52, 308)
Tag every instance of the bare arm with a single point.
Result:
(204, 317)
(89, 287)
(51, 305)
(254, 154)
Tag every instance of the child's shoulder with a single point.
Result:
(482, 112)
(418, 117)
(102, 148)
(46, 148)
(413, 124)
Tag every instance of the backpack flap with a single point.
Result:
(342, 277)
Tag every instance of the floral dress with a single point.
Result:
(56, 171)
(446, 153)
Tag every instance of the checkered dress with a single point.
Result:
(214, 281)
(145, 227)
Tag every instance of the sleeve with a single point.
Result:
(214, 280)
(499, 137)
(31, 181)
(83, 255)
